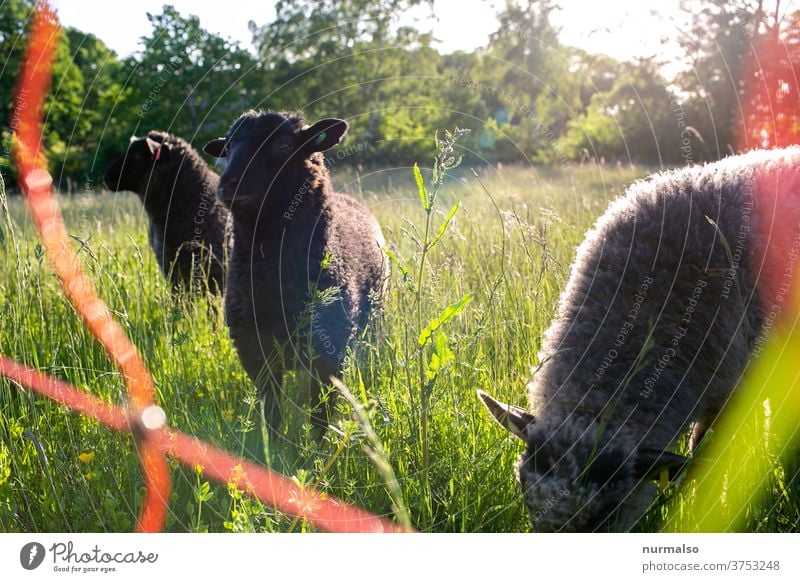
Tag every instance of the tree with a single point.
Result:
(341, 57)
(62, 105)
(718, 42)
(637, 120)
(62, 119)
(14, 16)
(521, 48)
(186, 80)
(93, 132)
(522, 69)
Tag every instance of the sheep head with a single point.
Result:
(574, 478)
(266, 154)
(140, 164)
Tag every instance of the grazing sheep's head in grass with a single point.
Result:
(141, 164)
(575, 479)
(267, 155)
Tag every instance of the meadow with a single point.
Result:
(464, 313)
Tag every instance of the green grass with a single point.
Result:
(511, 250)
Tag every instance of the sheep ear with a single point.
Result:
(323, 135)
(510, 417)
(216, 148)
(152, 145)
(650, 462)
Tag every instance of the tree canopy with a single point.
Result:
(525, 95)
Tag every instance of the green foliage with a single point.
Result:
(64, 102)
(14, 16)
(188, 81)
(635, 120)
(477, 263)
(99, 70)
(508, 253)
(718, 41)
(525, 96)
(750, 461)
(352, 58)
(446, 315)
(185, 80)
(426, 375)
(469, 484)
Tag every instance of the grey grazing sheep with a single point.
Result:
(668, 298)
(294, 236)
(189, 228)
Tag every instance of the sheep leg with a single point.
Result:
(322, 369)
(331, 329)
(268, 384)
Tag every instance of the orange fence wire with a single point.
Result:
(36, 183)
(325, 512)
(141, 416)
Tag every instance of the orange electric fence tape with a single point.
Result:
(142, 416)
(326, 513)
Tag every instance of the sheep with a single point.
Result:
(669, 297)
(190, 230)
(295, 238)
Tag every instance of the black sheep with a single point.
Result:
(189, 228)
(294, 238)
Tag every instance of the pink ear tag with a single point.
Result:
(158, 153)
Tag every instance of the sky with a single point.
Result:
(623, 29)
